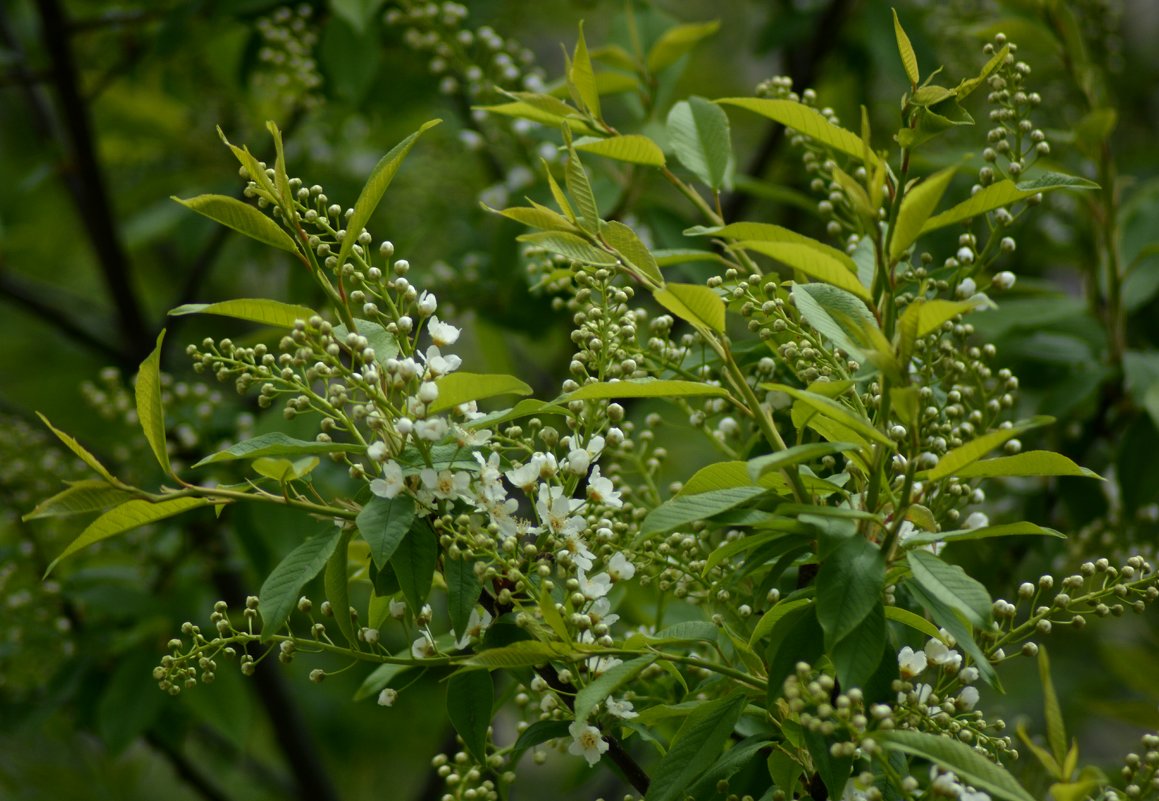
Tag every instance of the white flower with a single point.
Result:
(968, 697)
(574, 544)
(476, 625)
(968, 675)
(601, 612)
(438, 364)
(442, 334)
(427, 304)
(619, 568)
(555, 510)
(423, 648)
(431, 430)
(525, 475)
(601, 490)
(621, 709)
(391, 483)
(1004, 279)
(387, 697)
(376, 451)
(966, 288)
(940, 654)
(910, 663)
(587, 742)
(445, 484)
(970, 794)
(595, 587)
(397, 609)
(428, 392)
(578, 461)
(976, 520)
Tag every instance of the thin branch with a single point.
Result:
(91, 195)
(184, 768)
(30, 298)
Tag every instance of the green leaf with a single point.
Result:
(529, 111)
(767, 232)
(282, 588)
(570, 246)
(970, 452)
(633, 251)
(257, 310)
(698, 131)
(551, 615)
(685, 509)
(857, 655)
(358, 13)
(380, 678)
(906, 50)
(82, 453)
(538, 732)
(731, 762)
(684, 632)
(667, 257)
(1055, 728)
(456, 388)
(798, 454)
(970, 766)
(1029, 463)
(968, 85)
(829, 408)
(914, 621)
(380, 178)
(849, 584)
(276, 444)
(916, 207)
(632, 148)
(642, 388)
(470, 696)
(1005, 530)
(535, 216)
(80, 497)
(845, 320)
(952, 586)
(150, 412)
(809, 122)
(929, 315)
(525, 653)
(607, 683)
(776, 612)
(336, 581)
(676, 42)
(463, 589)
(1003, 193)
(954, 622)
(253, 168)
(813, 263)
(283, 470)
(695, 748)
(241, 217)
(583, 77)
(414, 561)
(126, 517)
(281, 179)
(580, 188)
(693, 303)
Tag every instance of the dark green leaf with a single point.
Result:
(607, 683)
(337, 586)
(414, 563)
(463, 588)
(695, 748)
(849, 587)
(950, 754)
(857, 655)
(282, 588)
(950, 585)
(470, 695)
(699, 133)
(685, 509)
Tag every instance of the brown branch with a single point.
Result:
(804, 65)
(89, 190)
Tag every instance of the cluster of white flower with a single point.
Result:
(911, 665)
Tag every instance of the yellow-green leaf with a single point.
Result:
(380, 178)
(583, 77)
(632, 251)
(768, 232)
(535, 216)
(570, 246)
(276, 444)
(1030, 463)
(283, 470)
(970, 452)
(675, 42)
(951, 754)
(906, 50)
(150, 412)
(580, 188)
(827, 407)
(698, 131)
(695, 303)
(812, 263)
(241, 217)
(457, 388)
(931, 314)
(634, 148)
(1003, 193)
(916, 207)
(80, 497)
(82, 453)
(808, 121)
(527, 111)
(256, 310)
(526, 653)
(914, 621)
(129, 515)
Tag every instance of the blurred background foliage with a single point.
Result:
(107, 109)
